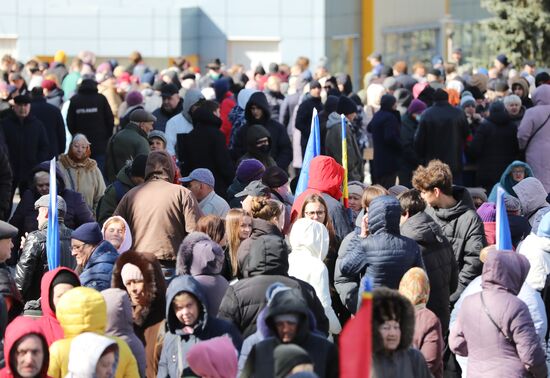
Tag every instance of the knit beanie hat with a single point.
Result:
(138, 166)
(356, 187)
(287, 356)
(346, 106)
(467, 100)
(66, 277)
(512, 203)
(397, 190)
(130, 272)
(274, 177)
(487, 212)
(89, 233)
(544, 226)
(250, 170)
(416, 107)
(134, 98)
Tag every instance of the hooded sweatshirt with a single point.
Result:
(86, 350)
(159, 226)
(325, 177)
(49, 323)
(18, 328)
(536, 248)
(172, 360)
(127, 241)
(473, 335)
(532, 195)
(83, 310)
(120, 324)
(253, 134)
(309, 241)
(181, 123)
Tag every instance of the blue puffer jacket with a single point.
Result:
(99, 268)
(384, 255)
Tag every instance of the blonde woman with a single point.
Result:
(238, 226)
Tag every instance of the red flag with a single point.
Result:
(356, 340)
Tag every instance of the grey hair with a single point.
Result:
(80, 137)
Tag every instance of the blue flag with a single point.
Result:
(503, 237)
(313, 149)
(52, 237)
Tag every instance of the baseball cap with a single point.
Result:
(256, 188)
(201, 175)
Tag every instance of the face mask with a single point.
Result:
(264, 149)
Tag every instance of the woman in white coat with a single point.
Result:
(309, 241)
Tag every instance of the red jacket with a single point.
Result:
(50, 326)
(19, 327)
(227, 104)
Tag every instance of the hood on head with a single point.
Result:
(310, 235)
(154, 283)
(258, 99)
(82, 310)
(199, 255)
(253, 134)
(127, 241)
(504, 270)
(541, 95)
(521, 81)
(87, 86)
(119, 312)
(506, 180)
(191, 97)
(389, 302)
(265, 261)
(92, 347)
(18, 328)
(531, 194)
(184, 284)
(244, 96)
(46, 292)
(544, 226)
(159, 165)
(384, 215)
(288, 302)
(326, 175)
(221, 87)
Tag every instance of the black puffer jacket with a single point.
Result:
(464, 229)
(265, 262)
(347, 287)
(384, 255)
(441, 135)
(322, 352)
(90, 114)
(438, 257)
(204, 147)
(281, 149)
(9, 289)
(33, 262)
(495, 146)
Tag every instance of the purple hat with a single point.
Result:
(250, 170)
(487, 212)
(89, 233)
(416, 107)
(134, 98)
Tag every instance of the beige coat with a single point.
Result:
(84, 178)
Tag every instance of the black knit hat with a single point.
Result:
(441, 95)
(66, 277)
(274, 177)
(138, 166)
(346, 106)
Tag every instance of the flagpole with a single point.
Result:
(344, 161)
(52, 236)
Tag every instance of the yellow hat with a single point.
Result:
(60, 56)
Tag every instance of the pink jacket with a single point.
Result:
(476, 337)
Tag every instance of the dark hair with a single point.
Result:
(435, 175)
(411, 202)
(210, 106)
(213, 226)
(13, 358)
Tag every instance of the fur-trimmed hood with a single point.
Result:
(154, 282)
(389, 302)
(199, 255)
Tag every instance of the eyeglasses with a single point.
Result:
(77, 247)
(518, 171)
(312, 213)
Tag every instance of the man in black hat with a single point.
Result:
(129, 142)
(26, 140)
(172, 104)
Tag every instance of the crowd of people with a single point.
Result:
(185, 250)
